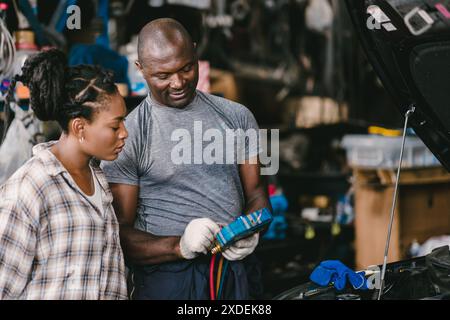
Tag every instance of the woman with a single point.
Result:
(59, 237)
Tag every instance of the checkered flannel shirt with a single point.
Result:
(55, 243)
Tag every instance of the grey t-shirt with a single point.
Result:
(163, 156)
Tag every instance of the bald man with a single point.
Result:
(169, 209)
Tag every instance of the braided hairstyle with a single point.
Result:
(61, 93)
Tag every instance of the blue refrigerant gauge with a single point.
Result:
(242, 227)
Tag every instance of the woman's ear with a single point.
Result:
(77, 126)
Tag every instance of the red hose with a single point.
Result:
(211, 278)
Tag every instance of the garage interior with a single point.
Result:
(335, 80)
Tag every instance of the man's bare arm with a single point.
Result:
(139, 247)
(255, 189)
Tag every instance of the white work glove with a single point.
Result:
(241, 248)
(198, 237)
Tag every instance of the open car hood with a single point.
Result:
(408, 44)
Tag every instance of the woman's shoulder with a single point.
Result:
(31, 176)
(23, 194)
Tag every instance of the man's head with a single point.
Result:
(168, 62)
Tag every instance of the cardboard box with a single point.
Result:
(422, 211)
(224, 83)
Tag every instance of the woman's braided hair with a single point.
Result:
(61, 93)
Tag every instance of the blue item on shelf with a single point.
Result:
(99, 55)
(278, 227)
(279, 203)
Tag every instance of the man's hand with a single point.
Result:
(241, 248)
(198, 237)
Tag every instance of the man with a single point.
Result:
(169, 212)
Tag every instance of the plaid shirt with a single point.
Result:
(54, 243)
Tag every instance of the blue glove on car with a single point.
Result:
(334, 271)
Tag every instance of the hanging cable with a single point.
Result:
(7, 51)
(7, 55)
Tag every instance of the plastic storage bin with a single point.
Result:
(373, 151)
